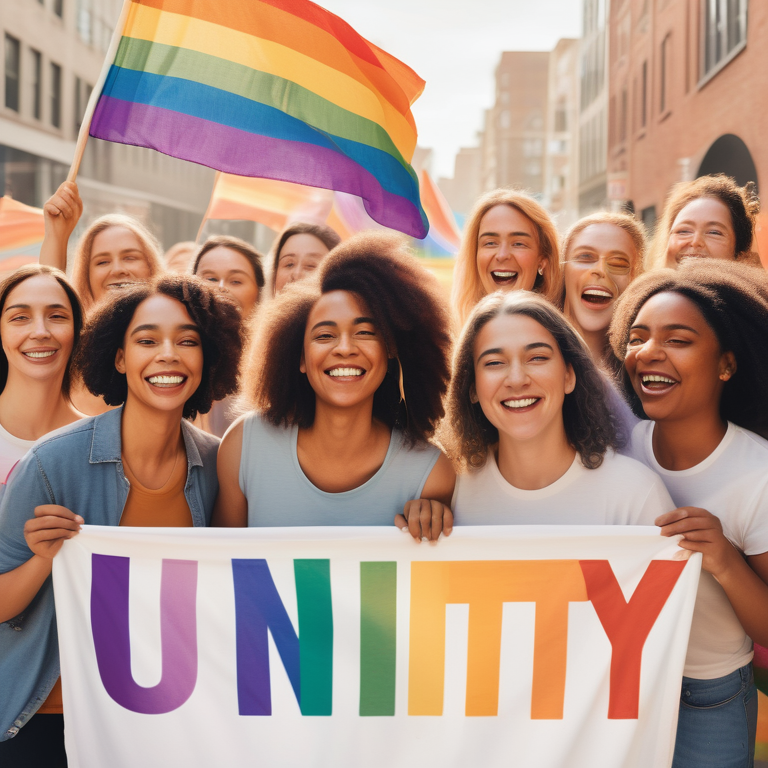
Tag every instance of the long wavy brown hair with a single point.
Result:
(591, 424)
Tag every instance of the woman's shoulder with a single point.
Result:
(206, 443)
(627, 470)
(80, 431)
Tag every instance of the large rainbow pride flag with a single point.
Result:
(279, 89)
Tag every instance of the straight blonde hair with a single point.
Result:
(467, 289)
(80, 270)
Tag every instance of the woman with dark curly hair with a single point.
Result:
(532, 427)
(347, 375)
(40, 324)
(693, 344)
(711, 217)
(163, 351)
(298, 251)
(509, 244)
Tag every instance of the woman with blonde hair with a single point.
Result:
(114, 252)
(711, 217)
(602, 254)
(509, 244)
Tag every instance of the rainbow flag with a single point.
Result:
(279, 89)
(21, 234)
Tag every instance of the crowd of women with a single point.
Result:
(590, 383)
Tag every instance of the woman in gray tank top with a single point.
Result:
(345, 379)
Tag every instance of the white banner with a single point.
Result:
(540, 647)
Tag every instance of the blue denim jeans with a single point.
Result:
(718, 722)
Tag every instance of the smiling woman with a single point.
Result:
(709, 217)
(347, 374)
(509, 244)
(532, 428)
(40, 324)
(602, 254)
(693, 343)
(163, 350)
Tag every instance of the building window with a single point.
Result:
(561, 117)
(55, 95)
(37, 84)
(644, 96)
(724, 32)
(666, 46)
(12, 67)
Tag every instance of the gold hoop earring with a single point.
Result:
(402, 387)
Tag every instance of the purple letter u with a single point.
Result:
(178, 634)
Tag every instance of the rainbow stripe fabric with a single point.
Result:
(279, 89)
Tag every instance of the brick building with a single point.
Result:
(512, 144)
(687, 80)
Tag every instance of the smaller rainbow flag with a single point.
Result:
(21, 234)
(278, 89)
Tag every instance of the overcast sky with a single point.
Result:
(455, 45)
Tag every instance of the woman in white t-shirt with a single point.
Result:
(532, 426)
(694, 349)
(40, 322)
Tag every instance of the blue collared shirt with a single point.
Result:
(78, 467)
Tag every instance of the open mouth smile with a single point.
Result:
(597, 297)
(520, 404)
(345, 373)
(166, 381)
(656, 383)
(41, 355)
(119, 286)
(502, 277)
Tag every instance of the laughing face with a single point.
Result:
(37, 328)
(507, 250)
(521, 379)
(345, 357)
(598, 268)
(161, 357)
(702, 229)
(117, 261)
(674, 360)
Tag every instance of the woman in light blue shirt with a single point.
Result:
(346, 376)
(164, 351)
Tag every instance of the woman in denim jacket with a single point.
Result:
(164, 351)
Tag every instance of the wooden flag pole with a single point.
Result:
(85, 126)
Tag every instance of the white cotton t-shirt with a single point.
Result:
(621, 491)
(731, 483)
(12, 449)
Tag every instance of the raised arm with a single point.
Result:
(231, 508)
(62, 211)
(431, 515)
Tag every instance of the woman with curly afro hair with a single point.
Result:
(693, 343)
(164, 351)
(346, 377)
(532, 427)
